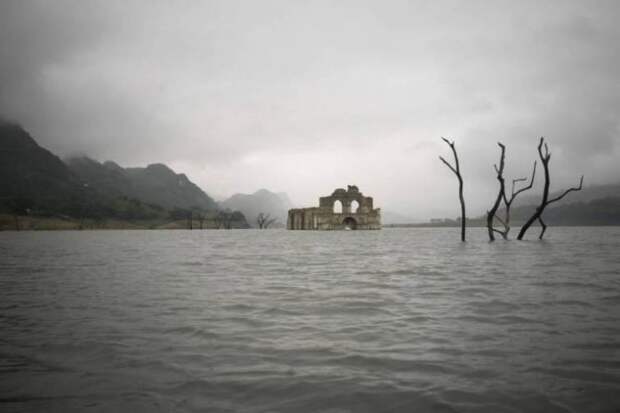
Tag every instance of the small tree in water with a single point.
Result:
(457, 171)
(508, 201)
(264, 220)
(492, 214)
(537, 215)
(500, 195)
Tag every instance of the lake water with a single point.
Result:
(398, 320)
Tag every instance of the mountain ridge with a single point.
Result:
(33, 176)
(156, 183)
(33, 180)
(260, 201)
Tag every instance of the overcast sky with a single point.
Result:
(307, 96)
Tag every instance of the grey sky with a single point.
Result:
(306, 96)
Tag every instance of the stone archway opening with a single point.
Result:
(337, 207)
(354, 207)
(349, 223)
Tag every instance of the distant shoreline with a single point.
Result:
(481, 225)
(57, 223)
(43, 223)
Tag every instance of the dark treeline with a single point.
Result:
(597, 212)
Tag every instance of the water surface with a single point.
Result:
(397, 320)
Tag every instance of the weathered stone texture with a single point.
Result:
(324, 217)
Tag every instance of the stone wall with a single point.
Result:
(357, 212)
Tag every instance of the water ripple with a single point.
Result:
(278, 321)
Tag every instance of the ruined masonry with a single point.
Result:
(348, 209)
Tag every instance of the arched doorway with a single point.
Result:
(338, 207)
(349, 223)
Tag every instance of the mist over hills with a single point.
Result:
(587, 211)
(35, 181)
(592, 205)
(595, 205)
(154, 184)
(588, 193)
(389, 217)
(278, 204)
(30, 172)
(261, 201)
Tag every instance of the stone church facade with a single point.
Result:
(356, 212)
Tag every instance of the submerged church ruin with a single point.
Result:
(348, 209)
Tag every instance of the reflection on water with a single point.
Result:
(277, 321)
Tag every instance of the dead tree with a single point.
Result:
(218, 219)
(19, 206)
(457, 171)
(264, 220)
(201, 220)
(270, 222)
(229, 217)
(508, 201)
(537, 215)
(500, 195)
(201, 217)
(223, 219)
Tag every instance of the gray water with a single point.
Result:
(397, 320)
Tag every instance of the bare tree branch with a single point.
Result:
(545, 157)
(498, 231)
(500, 195)
(264, 220)
(577, 188)
(525, 188)
(448, 164)
(448, 142)
(544, 227)
(513, 195)
(457, 171)
(501, 221)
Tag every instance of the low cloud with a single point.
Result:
(304, 97)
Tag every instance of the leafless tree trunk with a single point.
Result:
(190, 220)
(500, 195)
(260, 220)
(457, 171)
(228, 220)
(218, 218)
(223, 220)
(545, 157)
(508, 202)
(543, 226)
(264, 220)
(201, 216)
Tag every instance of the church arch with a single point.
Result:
(337, 207)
